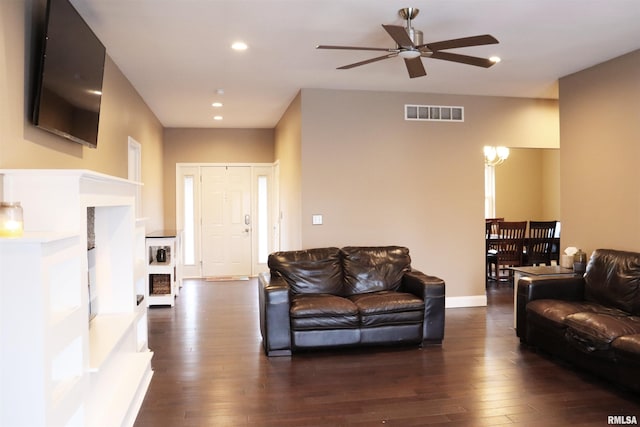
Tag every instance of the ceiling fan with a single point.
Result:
(410, 47)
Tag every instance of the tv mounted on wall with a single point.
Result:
(69, 81)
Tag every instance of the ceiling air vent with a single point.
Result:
(438, 113)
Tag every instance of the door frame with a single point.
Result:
(257, 169)
(134, 170)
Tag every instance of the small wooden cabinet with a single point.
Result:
(163, 278)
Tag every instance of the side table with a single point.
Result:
(543, 270)
(164, 276)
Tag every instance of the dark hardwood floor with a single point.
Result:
(210, 370)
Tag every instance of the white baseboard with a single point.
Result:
(466, 301)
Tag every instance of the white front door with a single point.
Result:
(226, 221)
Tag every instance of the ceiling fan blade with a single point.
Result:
(367, 61)
(464, 59)
(463, 42)
(384, 49)
(399, 35)
(415, 67)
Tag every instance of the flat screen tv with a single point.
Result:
(68, 88)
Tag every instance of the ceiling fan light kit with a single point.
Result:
(410, 47)
(409, 54)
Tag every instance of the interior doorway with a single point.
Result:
(226, 214)
(525, 187)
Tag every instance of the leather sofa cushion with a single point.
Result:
(322, 311)
(596, 331)
(374, 269)
(628, 346)
(388, 308)
(309, 271)
(555, 312)
(613, 279)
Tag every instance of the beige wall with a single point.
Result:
(185, 145)
(378, 179)
(600, 155)
(288, 148)
(551, 185)
(123, 114)
(528, 185)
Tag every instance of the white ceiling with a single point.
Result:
(177, 52)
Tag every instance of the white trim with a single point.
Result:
(466, 301)
(178, 165)
(276, 212)
(134, 166)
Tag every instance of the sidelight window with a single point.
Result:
(489, 192)
(263, 219)
(189, 221)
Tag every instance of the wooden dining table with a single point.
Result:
(555, 248)
(554, 258)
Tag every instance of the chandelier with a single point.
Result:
(494, 156)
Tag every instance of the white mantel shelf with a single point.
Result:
(58, 367)
(38, 237)
(86, 173)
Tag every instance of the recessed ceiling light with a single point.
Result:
(495, 59)
(239, 46)
(217, 104)
(217, 117)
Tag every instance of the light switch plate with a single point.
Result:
(316, 219)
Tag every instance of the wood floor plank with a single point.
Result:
(210, 370)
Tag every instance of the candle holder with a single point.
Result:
(11, 224)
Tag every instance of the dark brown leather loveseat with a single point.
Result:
(591, 321)
(331, 297)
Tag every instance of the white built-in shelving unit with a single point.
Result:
(58, 367)
(164, 277)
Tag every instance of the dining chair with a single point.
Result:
(508, 247)
(492, 224)
(491, 233)
(540, 242)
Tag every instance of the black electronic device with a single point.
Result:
(68, 88)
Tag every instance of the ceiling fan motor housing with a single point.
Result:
(415, 36)
(408, 13)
